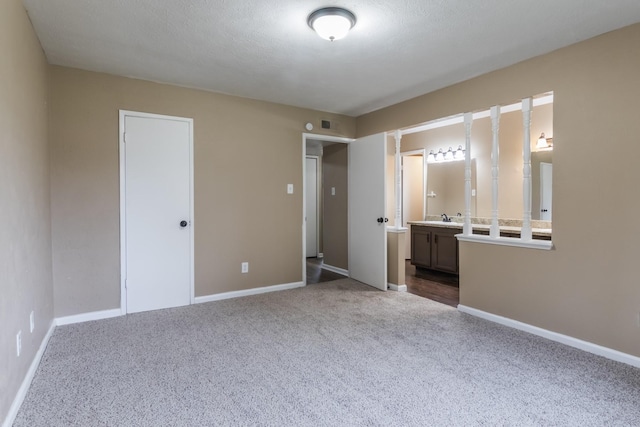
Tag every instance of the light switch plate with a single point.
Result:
(333, 191)
(289, 188)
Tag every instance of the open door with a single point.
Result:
(367, 202)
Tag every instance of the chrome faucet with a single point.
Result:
(445, 218)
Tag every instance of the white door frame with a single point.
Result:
(123, 231)
(306, 136)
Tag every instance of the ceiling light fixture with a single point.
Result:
(544, 142)
(331, 23)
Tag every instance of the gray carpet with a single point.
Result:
(338, 354)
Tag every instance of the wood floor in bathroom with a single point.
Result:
(441, 287)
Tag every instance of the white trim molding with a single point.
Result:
(397, 230)
(248, 292)
(335, 269)
(88, 317)
(398, 288)
(26, 383)
(589, 347)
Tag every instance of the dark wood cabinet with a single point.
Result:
(421, 246)
(435, 248)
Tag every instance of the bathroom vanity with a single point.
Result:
(435, 248)
(434, 244)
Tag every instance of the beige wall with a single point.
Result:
(335, 235)
(587, 287)
(25, 235)
(246, 152)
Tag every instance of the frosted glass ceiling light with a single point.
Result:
(332, 23)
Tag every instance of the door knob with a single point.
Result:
(380, 220)
(183, 224)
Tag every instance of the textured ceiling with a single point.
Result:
(264, 49)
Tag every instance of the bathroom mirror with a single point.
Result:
(445, 188)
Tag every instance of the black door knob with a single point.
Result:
(183, 224)
(380, 220)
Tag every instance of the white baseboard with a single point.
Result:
(609, 353)
(87, 317)
(335, 269)
(399, 288)
(247, 292)
(26, 383)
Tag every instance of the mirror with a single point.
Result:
(445, 188)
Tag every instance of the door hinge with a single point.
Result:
(124, 137)
(125, 283)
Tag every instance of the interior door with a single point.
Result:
(546, 176)
(312, 206)
(367, 199)
(157, 212)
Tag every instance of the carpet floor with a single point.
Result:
(333, 354)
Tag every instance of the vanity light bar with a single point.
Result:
(450, 155)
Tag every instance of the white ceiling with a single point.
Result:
(264, 49)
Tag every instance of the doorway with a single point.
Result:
(546, 186)
(156, 211)
(365, 230)
(326, 163)
(414, 185)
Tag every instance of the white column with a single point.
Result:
(398, 219)
(525, 233)
(495, 156)
(466, 228)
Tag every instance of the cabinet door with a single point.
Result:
(445, 251)
(420, 247)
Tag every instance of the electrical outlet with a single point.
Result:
(244, 267)
(32, 322)
(19, 343)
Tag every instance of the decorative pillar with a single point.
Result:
(525, 233)
(398, 219)
(495, 156)
(466, 228)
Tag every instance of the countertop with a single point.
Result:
(541, 232)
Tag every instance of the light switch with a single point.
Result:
(473, 192)
(289, 188)
(333, 191)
